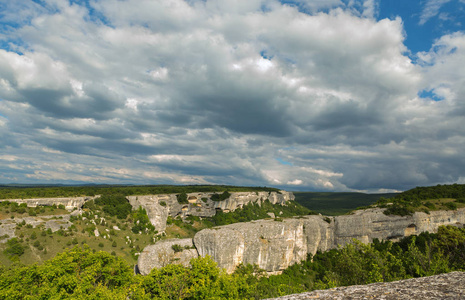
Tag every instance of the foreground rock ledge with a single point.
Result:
(444, 286)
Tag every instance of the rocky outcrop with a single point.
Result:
(156, 207)
(444, 286)
(366, 225)
(238, 200)
(55, 223)
(175, 251)
(159, 207)
(274, 245)
(70, 203)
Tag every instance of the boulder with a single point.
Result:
(162, 253)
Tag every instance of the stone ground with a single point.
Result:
(444, 286)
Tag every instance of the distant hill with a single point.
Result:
(425, 199)
(333, 204)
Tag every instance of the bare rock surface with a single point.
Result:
(70, 203)
(444, 286)
(274, 246)
(156, 210)
(162, 254)
(54, 222)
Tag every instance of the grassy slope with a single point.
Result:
(333, 204)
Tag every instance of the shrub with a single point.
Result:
(220, 197)
(451, 205)
(176, 248)
(182, 198)
(14, 248)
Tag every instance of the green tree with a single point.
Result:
(14, 248)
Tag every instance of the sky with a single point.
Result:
(303, 95)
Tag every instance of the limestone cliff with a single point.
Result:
(272, 245)
(70, 203)
(275, 245)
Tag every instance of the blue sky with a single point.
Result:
(425, 21)
(333, 95)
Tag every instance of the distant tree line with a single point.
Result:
(75, 191)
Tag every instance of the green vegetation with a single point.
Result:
(36, 244)
(334, 204)
(425, 199)
(81, 273)
(182, 198)
(74, 191)
(220, 197)
(114, 205)
(254, 211)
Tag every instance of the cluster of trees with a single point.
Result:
(220, 197)
(114, 205)
(73, 191)
(455, 191)
(80, 273)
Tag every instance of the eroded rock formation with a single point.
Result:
(274, 245)
(159, 207)
(163, 253)
(70, 203)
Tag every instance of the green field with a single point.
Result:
(334, 204)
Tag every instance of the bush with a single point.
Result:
(396, 209)
(14, 248)
(220, 197)
(176, 248)
(114, 205)
(430, 205)
(182, 198)
(451, 205)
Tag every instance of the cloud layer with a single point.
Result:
(317, 95)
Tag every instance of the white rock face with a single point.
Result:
(70, 203)
(274, 246)
(239, 199)
(157, 213)
(162, 254)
